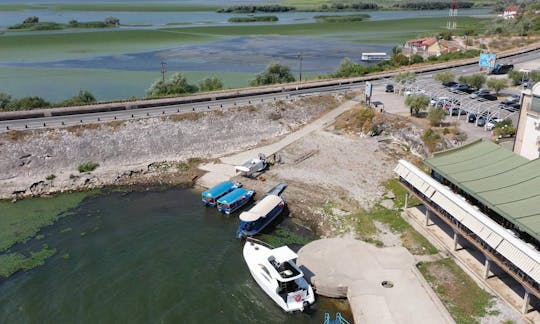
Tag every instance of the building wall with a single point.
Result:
(528, 132)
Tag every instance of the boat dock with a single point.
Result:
(382, 285)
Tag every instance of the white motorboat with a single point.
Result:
(278, 275)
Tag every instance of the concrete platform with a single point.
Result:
(340, 267)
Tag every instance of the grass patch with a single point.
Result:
(399, 193)
(22, 220)
(65, 230)
(281, 237)
(87, 166)
(13, 262)
(50, 177)
(465, 301)
(416, 243)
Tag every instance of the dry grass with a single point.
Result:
(18, 135)
(190, 116)
(78, 130)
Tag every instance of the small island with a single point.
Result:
(252, 19)
(33, 24)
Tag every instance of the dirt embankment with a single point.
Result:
(153, 150)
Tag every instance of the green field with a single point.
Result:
(45, 82)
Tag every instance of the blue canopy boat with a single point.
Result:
(210, 196)
(263, 213)
(234, 200)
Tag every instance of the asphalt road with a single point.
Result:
(57, 121)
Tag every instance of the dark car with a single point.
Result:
(456, 111)
(481, 121)
(472, 118)
(502, 69)
(389, 88)
(461, 88)
(450, 84)
(487, 96)
(512, 99)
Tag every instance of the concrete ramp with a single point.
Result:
(382, 285)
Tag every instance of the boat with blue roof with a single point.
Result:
(262, 213)
(210, 196)
(234, 200)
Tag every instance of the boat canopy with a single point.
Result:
(218, 190)
(283, 254)
(232, 196)
(261, 209)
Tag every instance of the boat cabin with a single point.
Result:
(210, 196)
(234, 200)
(255, 219)
(280, 258)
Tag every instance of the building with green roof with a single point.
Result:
(505, 185)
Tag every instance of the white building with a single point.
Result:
(528, 130)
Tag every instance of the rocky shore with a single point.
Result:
(145, 151)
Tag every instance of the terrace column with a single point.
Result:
(487, 265)
(456, 237)
(526, 300)
(427, 217)
(406, 200)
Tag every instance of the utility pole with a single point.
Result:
(300, 59)
(163, 70)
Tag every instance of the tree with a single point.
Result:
(414, 59)
(112, 21)
(27, 103)
(405, 77)
(436, 116)
(475, 80)
(177, 85)
(399, 59)
(5, 99)
(504, 128)
(210, 84)
(31, 20)
(82, 98)
(497, 84)
(517, 77)
(274, 73)
(417, 103)
(348, 68)
(445, 77)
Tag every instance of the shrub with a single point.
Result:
(87, 166)
(436, 116)
(210, 84)
(444, 77)
(27, 103)
(274, 73)
(50, 177)
(431, 139)
(177, 85)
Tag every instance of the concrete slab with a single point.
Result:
(355, 269)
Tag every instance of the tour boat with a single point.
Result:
(234, 200)
(210, 196)
(278, 275)
(263, 213)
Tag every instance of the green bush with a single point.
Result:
(26, 103)
(210, 84)
(340, 18)
(252, 19)
(50, 177)
(274, 73)
(87, 166)
(177, 85)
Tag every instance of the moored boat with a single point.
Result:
(234, 200)
(210, 196)
(262, 213)
(276, 272)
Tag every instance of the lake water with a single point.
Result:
(206, 18)
(144, 257)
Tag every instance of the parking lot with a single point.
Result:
(472, 116)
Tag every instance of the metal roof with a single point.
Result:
(232, 196)
(507, 183)
(219, 189)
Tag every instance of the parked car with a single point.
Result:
(389, 88)
(486, 96)
(479, 92)
(472, 118)
(455, 111)
(502, 69)
(481, 121)
(450, 84)
(511, 99)
(461, 88)
(491, 123)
